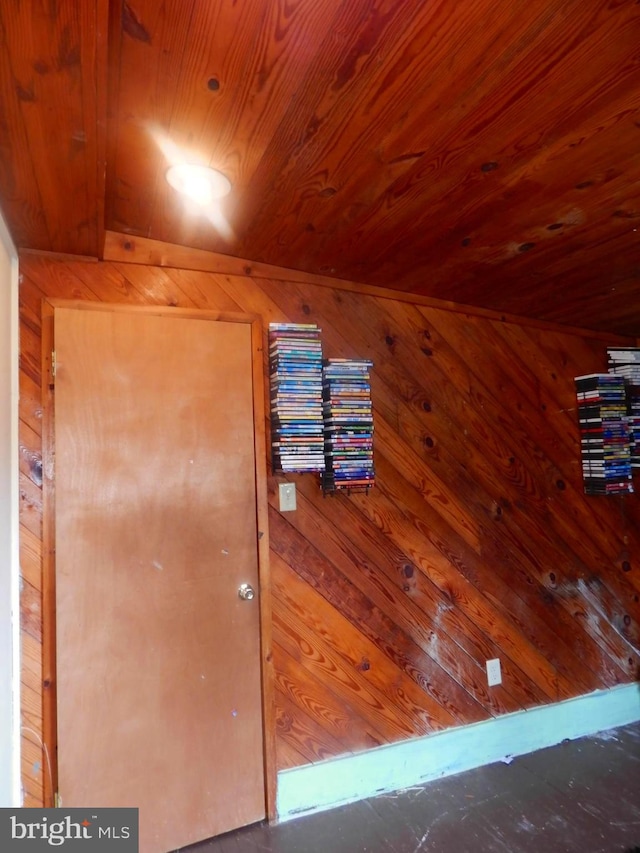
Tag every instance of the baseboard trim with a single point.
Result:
(338, 781)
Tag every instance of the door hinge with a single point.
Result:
(53, 364)
(56, 800)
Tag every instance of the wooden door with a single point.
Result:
(158, 658)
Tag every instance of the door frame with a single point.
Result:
(49, 708)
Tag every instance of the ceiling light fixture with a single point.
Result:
(201, 184)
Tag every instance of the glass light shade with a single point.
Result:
(201, 184)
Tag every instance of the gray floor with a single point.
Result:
(582, 795)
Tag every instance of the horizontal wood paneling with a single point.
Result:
(476, 542)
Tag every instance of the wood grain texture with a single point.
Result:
(476, 542)
(483, 153)
(54, 100)
(177, 635)
(142, 250)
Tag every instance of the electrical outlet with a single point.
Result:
(494, 674)
(287, 495)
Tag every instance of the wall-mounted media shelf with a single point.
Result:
(625, 362)
(321, 411)
(609, 421)
(348, 425)
(297, 428)
(604, 434)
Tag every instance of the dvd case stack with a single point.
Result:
(348, 425)
(604, 434)
(625, 362)
(297, 430)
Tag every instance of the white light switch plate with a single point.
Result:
(287, 495)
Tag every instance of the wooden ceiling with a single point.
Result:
(475, 151)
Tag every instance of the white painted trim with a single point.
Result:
(15, 526)
(337, 781)
(10, 788)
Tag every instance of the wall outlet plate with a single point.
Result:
(287, 496)
(494, 673)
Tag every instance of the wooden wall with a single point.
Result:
(476, 542)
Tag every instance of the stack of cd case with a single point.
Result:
(297, 431)
(348, 425)
(625, 362)
(604, 434)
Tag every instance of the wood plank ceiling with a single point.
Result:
(481, 152)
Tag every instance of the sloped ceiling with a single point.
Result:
(481, 152)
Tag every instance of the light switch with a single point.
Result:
(287, 494)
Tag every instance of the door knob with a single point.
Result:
(246, 592)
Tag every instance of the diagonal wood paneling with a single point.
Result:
(476, 542)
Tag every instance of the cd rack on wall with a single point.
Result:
(295, 384)
(321, 411)
(348, 425)
(609, 423)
